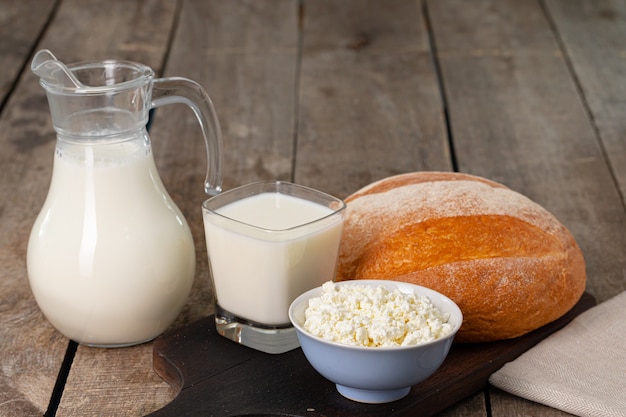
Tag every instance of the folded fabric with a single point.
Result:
(580, 369)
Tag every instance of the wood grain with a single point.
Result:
(370, 105)
(593, 32)
(20, 24)
(245, 55)
(27, 373)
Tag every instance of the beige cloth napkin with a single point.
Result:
(580, 369)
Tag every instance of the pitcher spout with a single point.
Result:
(53, 72)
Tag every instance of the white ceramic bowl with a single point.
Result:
(375, 374)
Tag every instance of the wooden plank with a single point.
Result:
(250, 75)
(593, 32)
(31, 352)
(114, 382)
(370, 105)
(517, 117)
(97, 30)
(21, 22)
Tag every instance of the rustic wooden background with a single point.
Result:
(330, 94)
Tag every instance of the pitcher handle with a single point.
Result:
(182, 90)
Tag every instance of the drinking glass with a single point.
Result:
(267, 243)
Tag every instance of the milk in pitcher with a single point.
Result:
(104, 269)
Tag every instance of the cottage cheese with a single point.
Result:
(374, 316)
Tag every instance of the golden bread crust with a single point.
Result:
(507, 262)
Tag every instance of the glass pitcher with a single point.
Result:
(110, 258)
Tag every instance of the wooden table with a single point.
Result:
(329, 94)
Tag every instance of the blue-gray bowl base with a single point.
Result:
(372, 396)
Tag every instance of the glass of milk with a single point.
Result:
(268, 242)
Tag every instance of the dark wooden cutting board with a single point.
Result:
(218, 377)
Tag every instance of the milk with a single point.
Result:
(111, 259)
(266, 249)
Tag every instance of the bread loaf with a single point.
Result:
(507, 262)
